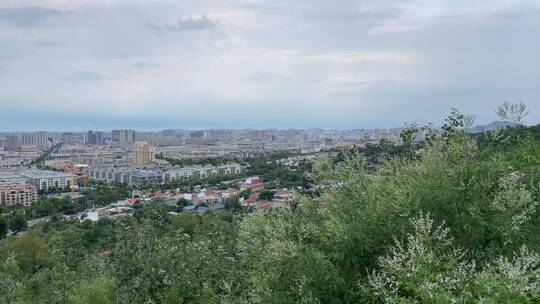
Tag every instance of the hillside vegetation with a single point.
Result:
(453, 219)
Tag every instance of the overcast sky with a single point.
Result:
(75, 64)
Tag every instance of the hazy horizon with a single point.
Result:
(107, 64)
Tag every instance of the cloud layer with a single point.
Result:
(263, 63)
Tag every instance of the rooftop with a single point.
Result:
(44, 173)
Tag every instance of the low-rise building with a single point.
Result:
(17, 194)
(119, 175)
(229, 168)
(200, 171)
(11, 178)
(143, 178)
(44, 180)
(252, 183)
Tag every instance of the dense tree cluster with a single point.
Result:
(452, 220)
(276, 175)
(102, 193)
(214, 161)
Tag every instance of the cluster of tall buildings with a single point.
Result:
(95, 138)
(123, 136)
(15, 141)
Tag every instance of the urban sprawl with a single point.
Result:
(203, 169)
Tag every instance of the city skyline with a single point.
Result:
(106, 64)
(109, 131)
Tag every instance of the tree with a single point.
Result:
(407, 137)
(30, 252)
(266, 195)
(430, 133)
(514, 112)
(17, 222)
(181, 203)
(232, 203)
(245, 193)
(10, 279)
(421, 268)
(453, 124)
(429, 268)
(96, 291)
(468, 122)
(3, 226)
(408, 133)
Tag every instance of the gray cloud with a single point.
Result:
(187, 24)
(27, 16)
(85, 76)
(342, 63)
(262, 77)
(46, 43)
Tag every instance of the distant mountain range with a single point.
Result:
(492, 126)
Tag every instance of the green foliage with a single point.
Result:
(3, 226)
(489, 213)
(30, 251)
(266, 195)
(233, 204)
(214, 161)
(47, 206)
(429, 268)
(17, 222)
(105, 193)
(99, 290)
(452, 220)
(212, 180)
(278, 175)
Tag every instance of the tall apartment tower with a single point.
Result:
(144, 153)
(123, 136)
(13, 142)
(41, 138)
(91, 138)
(27, 139)
(99, 138)
(68, 138)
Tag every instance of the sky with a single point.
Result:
(104, 64)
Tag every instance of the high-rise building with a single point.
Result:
(68, 138)
(95, 138)
(259, 135)
(99, 138)
(41, 138)
(149, 137)
(45, 180)
(13, 142)
(144, 153)
(123, 136)
(27, 139)
(91, 138)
